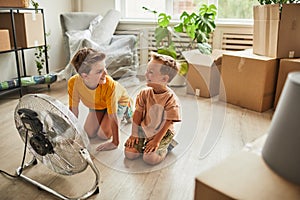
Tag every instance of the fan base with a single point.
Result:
(95, 189)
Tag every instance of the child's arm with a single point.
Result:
(134, 137)
(74, 110)
(153, 144)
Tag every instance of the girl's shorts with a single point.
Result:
(123, 113)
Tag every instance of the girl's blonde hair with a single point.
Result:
(84, 59)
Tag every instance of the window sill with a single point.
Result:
(219, 22)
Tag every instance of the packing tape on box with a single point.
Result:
(33, 16)
(197, 93)
(291, 54)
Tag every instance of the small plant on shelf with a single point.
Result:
(35, 5)
(40, 59)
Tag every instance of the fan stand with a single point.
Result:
(85, 154)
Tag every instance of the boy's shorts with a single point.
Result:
(163, 146)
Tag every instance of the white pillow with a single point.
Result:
(95, 22)
(75, 39)
(104, 30)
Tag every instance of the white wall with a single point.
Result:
(98, 6)
(56, 54)
(52, 10)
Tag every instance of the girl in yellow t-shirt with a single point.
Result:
(100, 93)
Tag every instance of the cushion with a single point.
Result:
(74, 21)
(75, 38)
(121, 55)
(103, 31)
(120, 50)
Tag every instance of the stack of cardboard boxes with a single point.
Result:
(251, 78)
(29, 26)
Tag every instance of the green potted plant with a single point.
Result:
(40, 58)
(163, 34)
(198, 26)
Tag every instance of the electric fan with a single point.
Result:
(52, 134)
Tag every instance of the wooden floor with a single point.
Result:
(175, 181)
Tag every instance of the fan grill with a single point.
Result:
(60, 128)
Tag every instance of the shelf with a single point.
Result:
(18, 49)
(22, 37)
(17, 8)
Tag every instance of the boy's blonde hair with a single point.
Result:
(169, 65)
(84, 59)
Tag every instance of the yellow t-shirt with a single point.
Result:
(105, 96)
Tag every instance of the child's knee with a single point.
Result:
(131, 153)
(153, 158)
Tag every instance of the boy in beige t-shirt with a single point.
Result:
(157, 108)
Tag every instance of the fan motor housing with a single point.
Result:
(41, 144)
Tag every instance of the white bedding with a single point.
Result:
(120, 50)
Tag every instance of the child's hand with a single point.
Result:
(106, 146)
(151, 146)
(131, 141)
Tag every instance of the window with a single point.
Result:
(227, 9)
(236, 9)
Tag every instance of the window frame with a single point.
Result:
(119, 4)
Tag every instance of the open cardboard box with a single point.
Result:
(203, 77)
(277, 34)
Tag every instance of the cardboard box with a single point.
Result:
(285, 66)
(14, 3)
(4, 40)
(243, 175)
(248, 80)
(203, 76)
(29, 28)
(277, 35)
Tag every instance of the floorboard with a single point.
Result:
(237, 127)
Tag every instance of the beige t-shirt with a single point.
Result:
(156, 109)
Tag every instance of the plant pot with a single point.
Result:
(178, 81)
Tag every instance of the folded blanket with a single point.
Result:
(27, 81)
